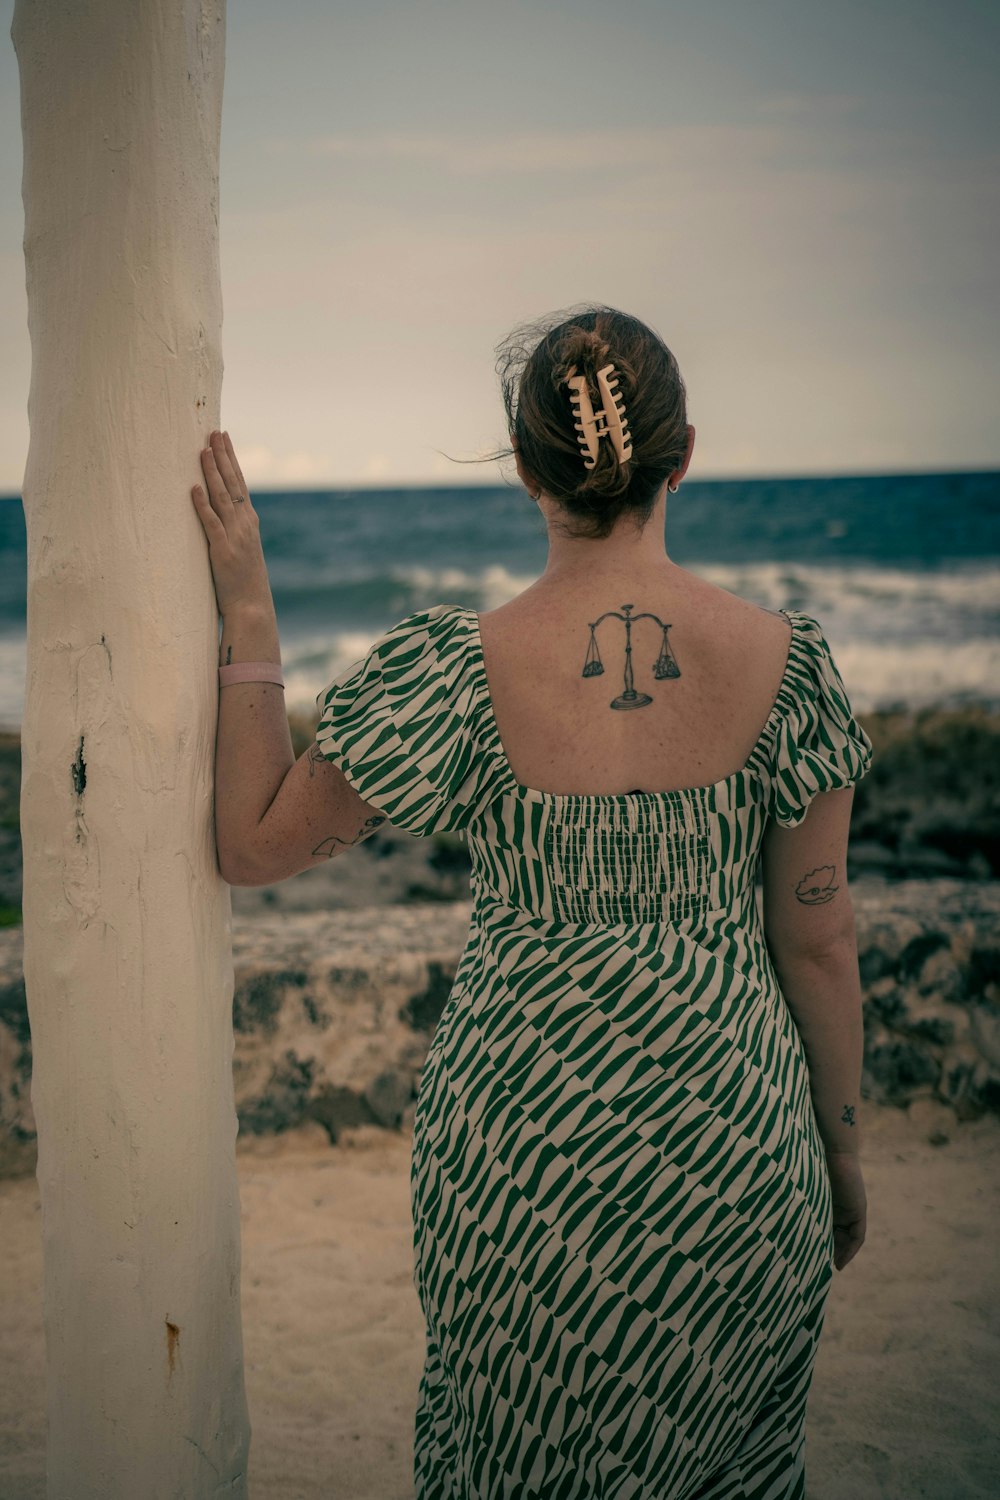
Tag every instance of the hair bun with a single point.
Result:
(584, 348)
(536, 362)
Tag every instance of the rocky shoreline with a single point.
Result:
(342, 973)
(334, 1011)
(929, 808)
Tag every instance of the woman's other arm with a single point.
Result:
(810, 935)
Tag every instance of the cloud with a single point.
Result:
(605, 151)
(582, 151)
(261, 466)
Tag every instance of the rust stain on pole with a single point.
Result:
(173, 1339)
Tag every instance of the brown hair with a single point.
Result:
(533, 364)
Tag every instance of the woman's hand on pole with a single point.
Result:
(232, 527)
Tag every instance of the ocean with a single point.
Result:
(901, 571)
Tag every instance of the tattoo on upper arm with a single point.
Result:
(816, 888)
(229, 655)
(328, 847)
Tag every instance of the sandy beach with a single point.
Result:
(903, 1402)
(904, 1399)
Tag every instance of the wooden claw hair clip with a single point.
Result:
(609, 421)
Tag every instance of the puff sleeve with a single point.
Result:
(820, 746)
(396, 723)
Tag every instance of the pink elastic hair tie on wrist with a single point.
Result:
(251, 671)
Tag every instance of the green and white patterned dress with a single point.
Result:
(622, 1218)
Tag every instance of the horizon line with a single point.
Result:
(347, 486)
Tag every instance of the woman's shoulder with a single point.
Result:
(398, 723)
(726, 605)
(754, 623)
(432, 621)
(414, 659)
(436, 631)
(717, 609)
(734, 628)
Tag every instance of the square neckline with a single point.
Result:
(674, 793)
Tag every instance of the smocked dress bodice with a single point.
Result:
(411, 725)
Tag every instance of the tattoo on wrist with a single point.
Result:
(848, 1115)
(817, 888)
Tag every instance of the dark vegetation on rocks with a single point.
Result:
(343, 972)
(334, 1013)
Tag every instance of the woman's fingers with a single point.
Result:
(213, 526)
(223, 485)
(235, 463)
(222, 501)
(224, 464)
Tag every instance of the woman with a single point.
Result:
(635, 1149)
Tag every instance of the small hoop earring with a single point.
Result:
(673, 488)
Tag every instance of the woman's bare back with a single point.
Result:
(558, 729)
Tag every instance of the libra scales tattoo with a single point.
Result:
(665, 665)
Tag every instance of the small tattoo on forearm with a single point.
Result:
(328, 847)
(817, 888)
(315, 756)
(229, 655)
(848, 1115)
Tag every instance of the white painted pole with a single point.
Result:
(127, 955)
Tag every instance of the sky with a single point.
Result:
(800, 197)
